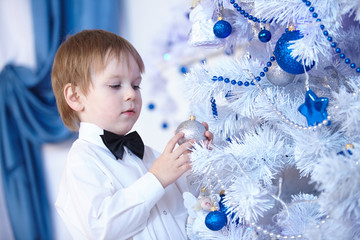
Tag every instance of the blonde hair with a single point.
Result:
(79, 56)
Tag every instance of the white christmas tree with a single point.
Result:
(283, 102)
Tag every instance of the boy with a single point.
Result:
(130, 192)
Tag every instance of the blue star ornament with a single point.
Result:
(314, 108)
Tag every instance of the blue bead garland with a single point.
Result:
(240, 83)
(264, 35)
(329, 38)
(246, 15)
(233, 82)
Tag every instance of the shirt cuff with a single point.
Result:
(150, 188)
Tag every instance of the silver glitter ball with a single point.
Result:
(192, 129)
(279, 77)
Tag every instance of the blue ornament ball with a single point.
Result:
(222, 29)
(283, 54)
(264, 35)
(215, 220)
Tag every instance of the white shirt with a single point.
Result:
(104, 198)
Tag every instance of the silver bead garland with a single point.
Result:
(282, 116)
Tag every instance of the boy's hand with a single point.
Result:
(173, 162)
(209, 136)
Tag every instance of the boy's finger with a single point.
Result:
(185, 166)
(184, 159)
(171, 144)
(182, 148)
(209, 135)
(205, 125)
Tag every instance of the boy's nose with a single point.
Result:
(130, 94)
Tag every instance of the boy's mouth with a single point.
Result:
(129, 112)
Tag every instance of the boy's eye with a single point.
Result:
(136, 87)
(114, 86)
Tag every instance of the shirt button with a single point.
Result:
(165, 212)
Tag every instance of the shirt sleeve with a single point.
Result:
(95, 208)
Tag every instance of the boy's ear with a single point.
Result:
(72, 97)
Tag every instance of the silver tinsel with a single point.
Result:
(192, 129)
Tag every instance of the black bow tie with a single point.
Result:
(115, 143)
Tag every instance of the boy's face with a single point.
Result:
(114, 101)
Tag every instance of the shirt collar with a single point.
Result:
(91, 133)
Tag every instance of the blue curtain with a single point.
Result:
(28, 114)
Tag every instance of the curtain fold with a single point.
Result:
(28, 114)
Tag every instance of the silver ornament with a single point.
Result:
(201, 33)
(279, 77)
(192, 129)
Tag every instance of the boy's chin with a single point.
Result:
(123, 131)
